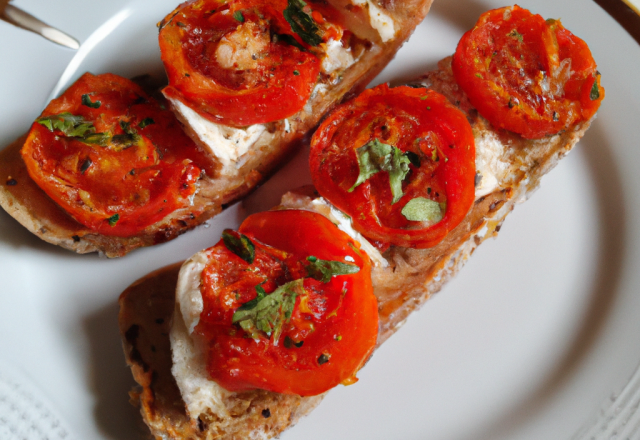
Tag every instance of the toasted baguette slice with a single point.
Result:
(24, 200)
(510, 169)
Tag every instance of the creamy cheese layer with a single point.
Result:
(343, 221)
(337, 57)
(489, 164)
(380, 21)
(198, 391)
(227, 144)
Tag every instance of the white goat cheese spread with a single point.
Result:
(489, 163)
(380, 21)
(343, 222)
(227, 144)
(337, 57)
(198, 391)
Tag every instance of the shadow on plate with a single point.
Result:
(613, 230)
(110, 379)
(17, 237)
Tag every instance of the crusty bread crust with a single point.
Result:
(146, 310)
(24, 200)
(413, 275)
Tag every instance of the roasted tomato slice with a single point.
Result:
(527, 75)
(288, 305)
(111, 157)
(400, 162)
(238, 62)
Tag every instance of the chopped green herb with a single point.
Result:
(240, 245)
(323, 270)
(301, 23)
(290, 343)
(595, 92)
(70, 125)
(100, 139)
(290, 41)
(127, 139)
(271, 312)
(374, 157)
(113, 220)
(296, 73)
(260, 293)
(413, 158)
(145, 122)
(421, 209)
(84, 131)
(85, 165)
(86, 100)
(515, 34)
(238, 16)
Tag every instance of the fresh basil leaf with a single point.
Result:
(86, 100)
(254, 302)
(323, 270)
(515, 34)
(595, 92)
(145, 122)
(271, 312)
(238, 16)
(128, 138)
(422, 209)
(376, 156)
(70, 125)
(125, 140)
(290, 41)
(241, 246)
(99, 139)
(113, 220)
(301, 23)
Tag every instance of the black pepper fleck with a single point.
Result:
(76, 238)
(478, 179)
(12, 182)
(323, 359)
(266, 413)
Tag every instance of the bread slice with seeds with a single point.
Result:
(509, 169)
(233, 179)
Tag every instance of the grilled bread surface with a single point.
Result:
(24, 200)
(408, 279)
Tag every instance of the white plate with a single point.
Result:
(535, 335)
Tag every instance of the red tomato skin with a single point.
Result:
(455, 175)
(164, 168)
(348, 332)
(287, 75)
(529, 43)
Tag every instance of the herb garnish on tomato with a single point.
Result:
(111, 157)
(400, 162)
(527, 75)
(300, 318)
(235, 62)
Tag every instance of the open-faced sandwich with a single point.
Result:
(246, 336)
(248, 79)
